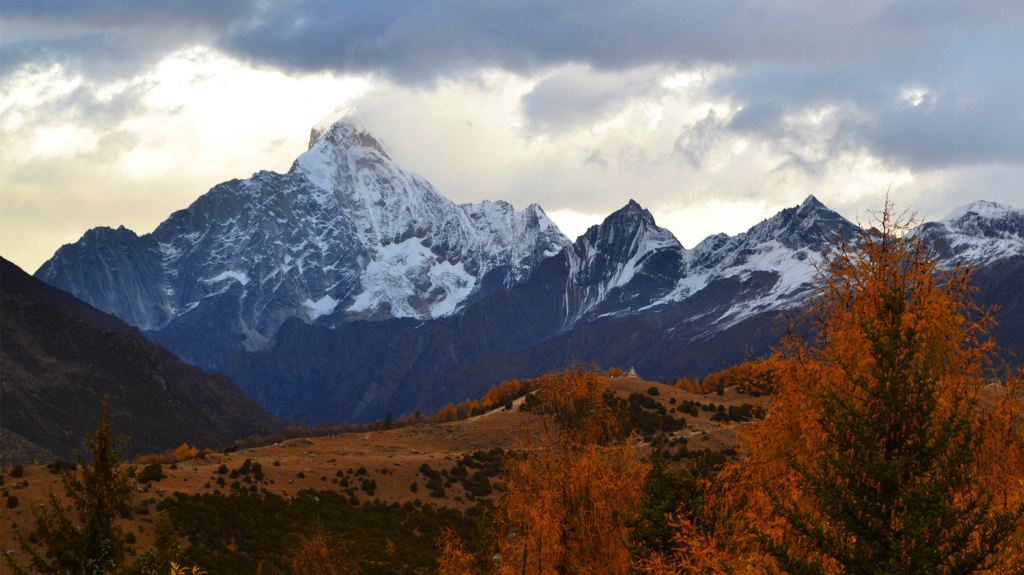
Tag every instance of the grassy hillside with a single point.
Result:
(239, 508)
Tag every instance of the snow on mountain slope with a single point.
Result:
(344, 234)
(979, 233)
(625, 294)
(620, 264)
(425, 254)
(773, 261)
(784, 247)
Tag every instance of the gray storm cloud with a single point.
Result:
(932, 89)
(787, 56)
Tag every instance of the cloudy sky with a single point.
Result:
(713, 114)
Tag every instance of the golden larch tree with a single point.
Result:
(887, 448)
(571, 488)
(876, 455)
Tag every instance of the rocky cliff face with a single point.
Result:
(628, 265)
(626, 294)
(625, 263)
(345, 234)
(348, 287)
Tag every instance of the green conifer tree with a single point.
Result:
(82, 536)
(893, 488)
(671, 492)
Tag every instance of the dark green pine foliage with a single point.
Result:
(668, 492)
(883, 494)
(82, 536)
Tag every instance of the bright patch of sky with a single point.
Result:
(707, 147)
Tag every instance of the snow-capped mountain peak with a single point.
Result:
(346, 131)
(626, 261)
(631, 223)
(629, 264)
(346, 233)
(981, 209)
(811, 223)
(980, 232)
(772, 263)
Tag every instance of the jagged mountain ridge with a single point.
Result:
(650, 318)
(656, 318)
(397, 287)
(645, 319)
(979, 233)
(781, 249)
(628, 264)
(344, 234)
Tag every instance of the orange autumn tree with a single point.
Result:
(453, 559)
(750, 377)
(876, 455)
(571, 487)
(885, 450)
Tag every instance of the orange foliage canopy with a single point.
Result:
(570, 487)
(453, 558)
(883, 407)
(495, 396)
(183, 452)
(756, 377)
(751, 377)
